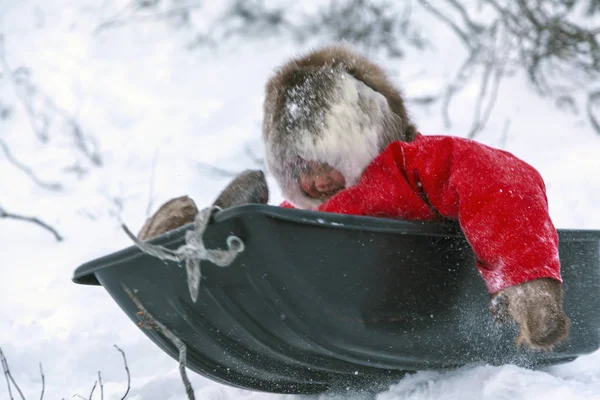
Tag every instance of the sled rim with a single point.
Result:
(85, 274)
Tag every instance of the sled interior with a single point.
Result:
(321, 301)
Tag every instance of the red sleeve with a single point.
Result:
(499, 201)
(286, 204)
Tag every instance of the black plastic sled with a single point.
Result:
(325, 302)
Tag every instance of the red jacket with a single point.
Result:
(499, 201)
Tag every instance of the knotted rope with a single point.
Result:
(194, 251)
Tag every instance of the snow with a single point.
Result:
(147, 99)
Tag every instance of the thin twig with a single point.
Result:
(593, 97)
(498, 75)
(92, 392)
(465, 16)
(540, 41)
(43, 382)
(9, 376)
(28, 171)
(151, 185)
(459, 81)
(34, 220)
(504, 137)
(101, 386)
(169, 12)
(258, 161)
(464, 36)
(150, 322)
(476, 123)
(28, 108)
(126, 370)
(6, 372)
(216, 171)
(117, 19)
(27, 93)
(423, 100)
(498, 67)
(86, 144)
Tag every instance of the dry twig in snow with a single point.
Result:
(126, 370)
(34, 220)
(9, 377)
(148, 321)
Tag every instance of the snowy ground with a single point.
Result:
(146, 98)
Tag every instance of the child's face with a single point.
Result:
(320, 180)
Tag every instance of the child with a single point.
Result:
(338, 139)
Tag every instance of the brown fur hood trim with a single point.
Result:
(331, 105)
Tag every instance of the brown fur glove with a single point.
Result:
(173, 214)
(536, 306)
(248, 187)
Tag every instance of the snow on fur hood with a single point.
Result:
(499, 200)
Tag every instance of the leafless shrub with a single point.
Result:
(552, 42)
(42, 113)
(554, 47)
(12, 384)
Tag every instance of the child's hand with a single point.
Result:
(173, 214)
(536, 306)
(248, 187)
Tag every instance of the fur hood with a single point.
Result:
(332, 106)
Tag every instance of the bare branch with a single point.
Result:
(87, 145)
(476, 125)
(42, 133)
(473, 27)
(258, 161)
(593, 99)
(216, 171)
(116, 201)
(40, 110)
(116, 18)
(228, 173)
(497, 66)
(6, 372)
(34, 220)
(498, 75)
(101, 386)
(43, 382)
(464, 36)
(463, 75)
(541, 41)
(151, 185)
(92, 392)
(28, 171)
(126, 370)
(9, 376)
(25, 93)
(148, 321)
(120, 19)
(504, 137)
(423, 100)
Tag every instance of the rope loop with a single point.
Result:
(194, 251)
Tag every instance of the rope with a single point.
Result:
(194, 251)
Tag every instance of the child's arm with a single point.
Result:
(499, 201)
